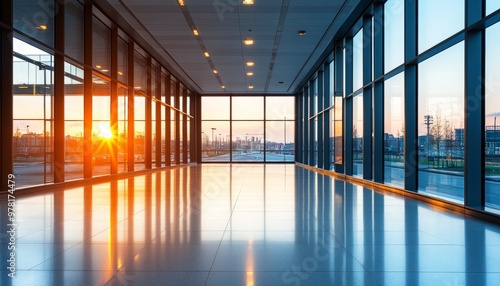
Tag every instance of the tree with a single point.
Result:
(438, 132)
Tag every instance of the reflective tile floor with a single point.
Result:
(244, 225)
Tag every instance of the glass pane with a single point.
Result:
(339, 142)
(492, 6)
(215, 108)
(394, 131)
(140, 73)
(215, 147)
(393, 34)
(357, 61)
(248, 140)
(248, 108)
(101, 148)
(101, 101)
(73, 126)
(492, 106)
(101, 47)
(448, 15)
(73, 154)
(140, 131)
(315, 143)
(122, 139)
(280, 136)
(32, 110)
(122, 61)
(281, 108)
(332, 83)
(332, 138)
(440, 123)
(35, 19)
(102, 135)
(357, 136)
(73, 29)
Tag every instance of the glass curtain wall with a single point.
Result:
(33, 115)
(243, 129)
(280, 128)
(216, 119)
(394, 131)
(36, 136)
(492, 118)
(440, 119)
(248, 126)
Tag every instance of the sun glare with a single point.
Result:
(106, 131)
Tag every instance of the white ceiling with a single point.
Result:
(279, 53)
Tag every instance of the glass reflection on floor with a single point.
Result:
(240, 224)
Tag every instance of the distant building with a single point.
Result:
(492, 138)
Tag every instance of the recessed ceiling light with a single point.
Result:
(181, 2)
(105, 70)
(247, 2)
(120, 73)
(195, 32)
(250, 64)
(42, 27)
(206, 54)
(97, 66)
(223, 86)
(301, 32)
(249, 73)
(215, 71)
(248, 42)
(250, 87)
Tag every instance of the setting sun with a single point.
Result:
(105, 131)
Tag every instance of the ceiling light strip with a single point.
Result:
(277, 40)
(191, 24)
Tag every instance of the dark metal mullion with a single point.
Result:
(184, 127)
(114, 99)
(320, 130)
(411, 98)
(327, 103)
(367, 99)
(474, 131)
(312, 161)
(348, 111)
(7, 98)
(87, 92)
(378, 58)
(148, 120)
(130, 109)
(177, 152)
(168, 119)
(58, 111)
(264, 126)
(338, 92)
(231, 127)
(159, 119)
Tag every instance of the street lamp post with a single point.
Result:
(213, 129)
(428, 120)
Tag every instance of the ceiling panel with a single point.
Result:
(279, 53)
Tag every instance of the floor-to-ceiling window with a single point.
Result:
(33, 115)
(215, 119)
(248, 128)
(73, 98)
(492, 118)
(357, 105)
(394, 131)
(440, 120)
(280, 128)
